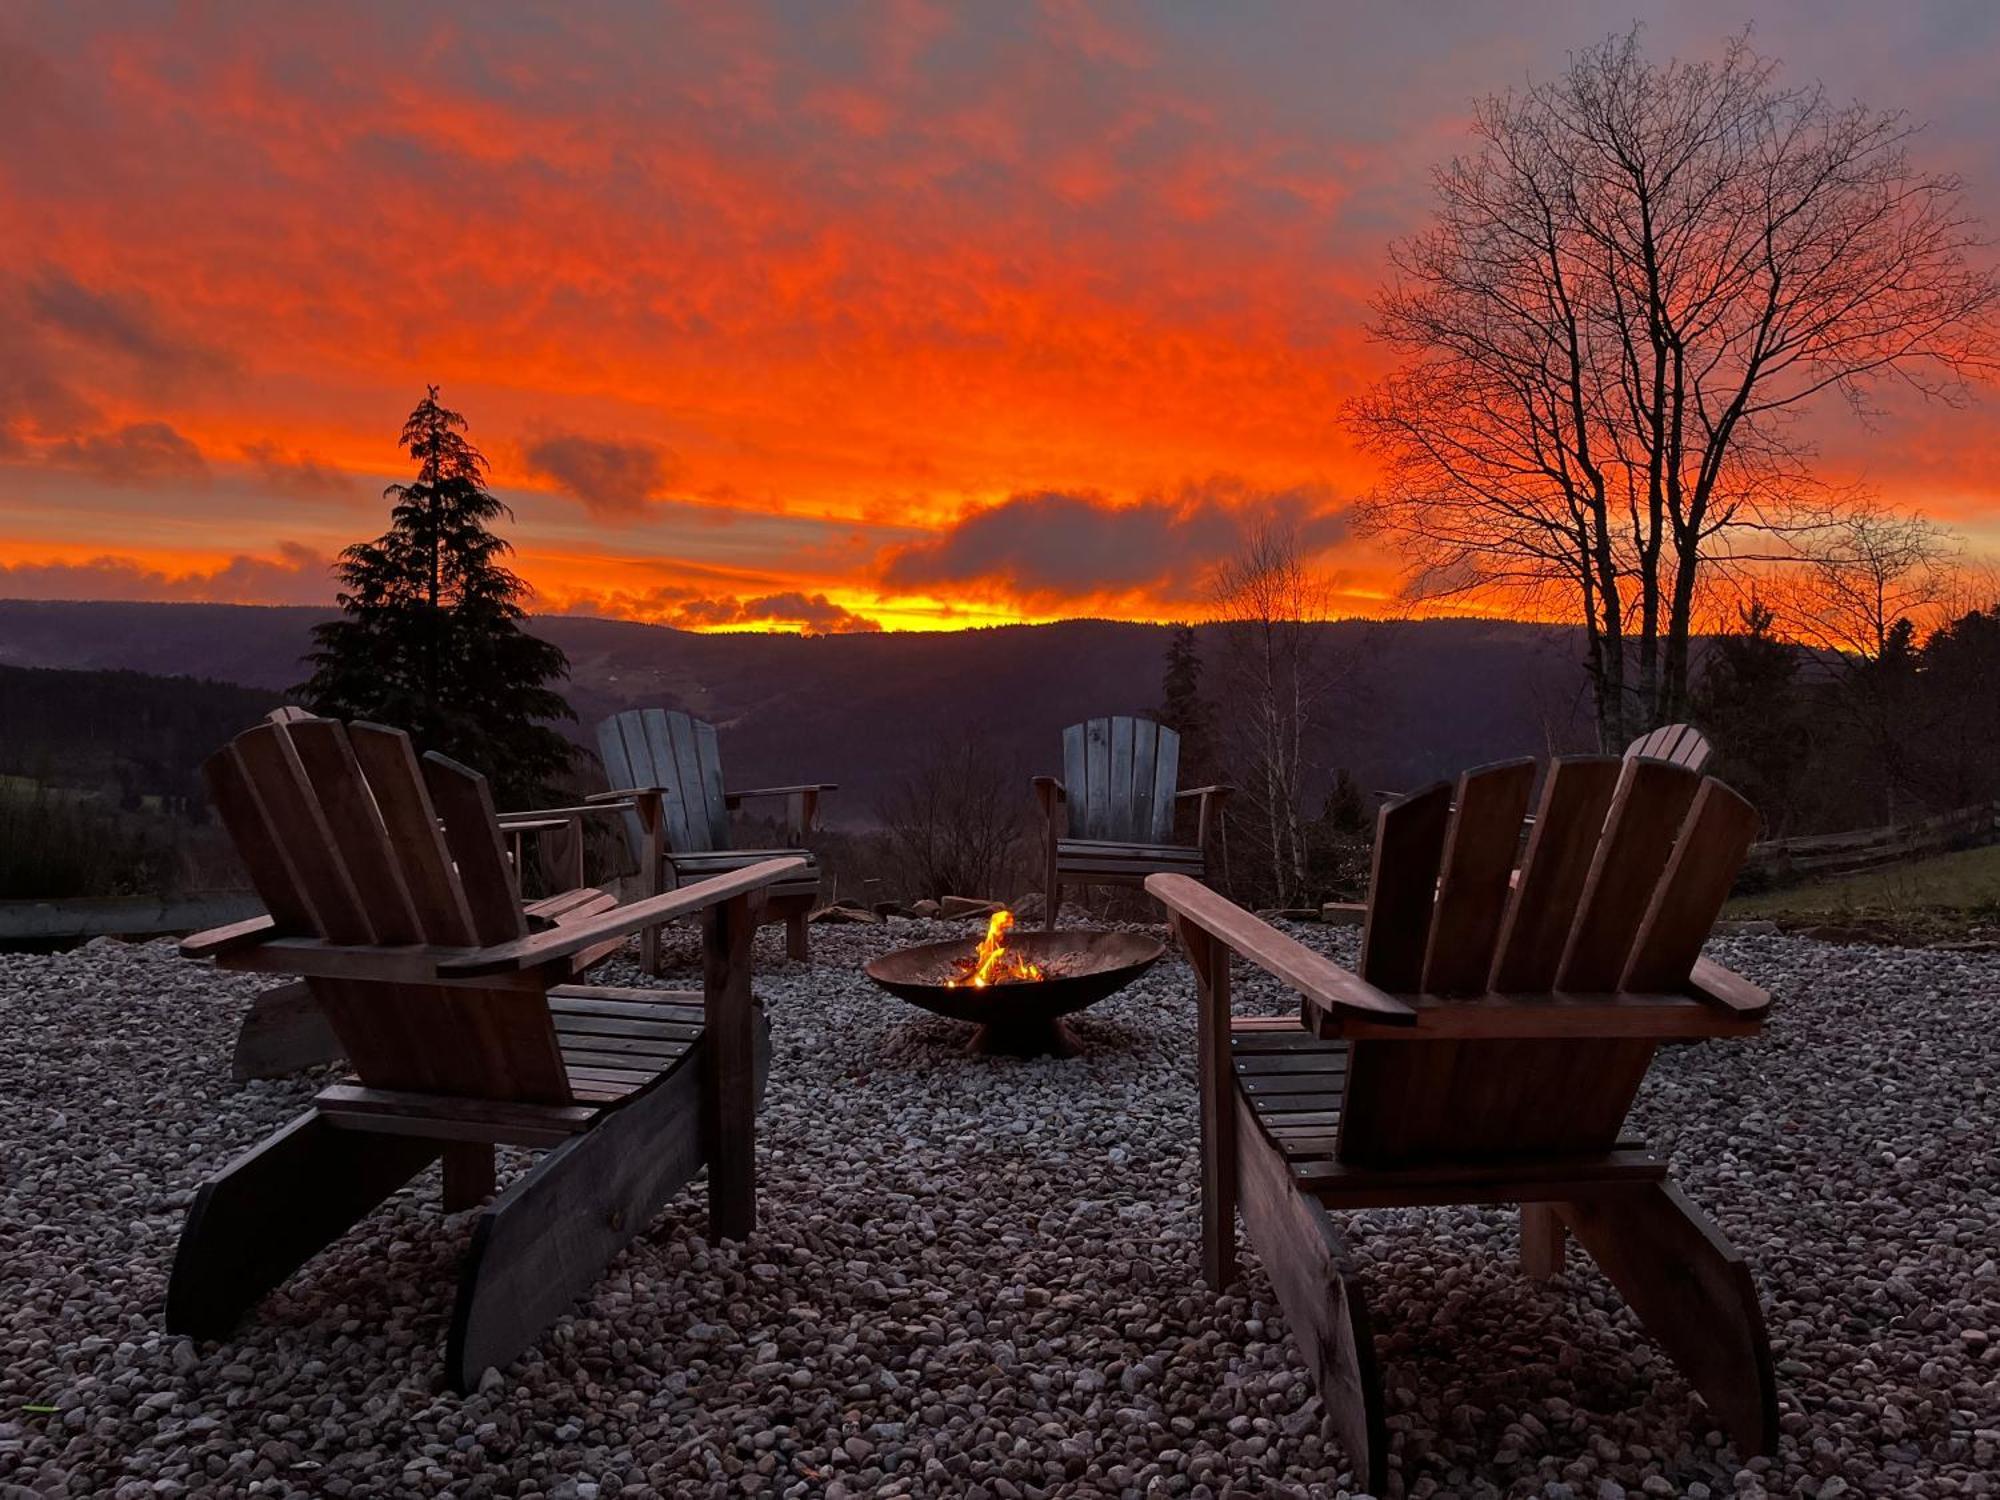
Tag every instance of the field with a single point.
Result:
(1950, 896)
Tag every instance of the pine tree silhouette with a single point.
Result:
(430, 636)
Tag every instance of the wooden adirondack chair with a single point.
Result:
(285, 1029)
(388, 889)
(1487, 1052)
(1682, 744)
(1109, 819)
(666, 774)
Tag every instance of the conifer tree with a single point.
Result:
(1184, 710)
(430, 636)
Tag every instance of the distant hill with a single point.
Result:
(131, 736)
(1421, 698)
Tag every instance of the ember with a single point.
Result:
(994, 962)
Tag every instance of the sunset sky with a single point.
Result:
(804, 316)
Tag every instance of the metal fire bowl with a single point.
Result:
(1021, 1018)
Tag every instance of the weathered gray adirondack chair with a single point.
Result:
(389, 890)
(667, 766)
(1681, 744)
(1487, 1052)
(1109, 819)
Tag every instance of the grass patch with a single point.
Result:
(1949, 896)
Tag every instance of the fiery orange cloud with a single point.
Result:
(805, 318)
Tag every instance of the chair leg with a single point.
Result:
(1322, 1299)
(1543, 1240)
(272, 1209)
(796, 948)
(286, 1031)
(1693, 1291)
(546, 1241)
(469, 1177)
(729, 1065)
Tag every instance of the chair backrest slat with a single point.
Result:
(1166, 782)
(1711, 847)
(689, 783)
(620, 774)
(356, 824)
(1402, 888)
(410, 825)
(1561, 845)
(295, 818)
(1145, 781)
(1120, 775)
(264, 855)
(1646, 813)
(1473, 883)
(1122, 797)
(664, 771)
(472, 834)
(709, 755)
(1075, 775)
(340, 828)
(1097, 810)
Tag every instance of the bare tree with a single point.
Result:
(1630, 292)
(1863, 571)
(956, 821)
(1277, 673)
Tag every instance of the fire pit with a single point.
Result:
(1016, 986)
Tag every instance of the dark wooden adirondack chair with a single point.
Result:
(286, 1030)
(667, 767)
(1487, 1052)
(1109, 819)
(389, 890)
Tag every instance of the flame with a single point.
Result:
(995, 962)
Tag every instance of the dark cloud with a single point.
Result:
(297, 575)
(610, 476)
(297, 473)
(1051, 545)
(121, 323)
(814, 614)
(690, 609)
(137, 453)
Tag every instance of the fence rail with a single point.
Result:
(119, 916)
(1864, 848)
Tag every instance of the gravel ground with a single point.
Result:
(978, 1277)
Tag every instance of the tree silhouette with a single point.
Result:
(1630, 292)
(430, 636)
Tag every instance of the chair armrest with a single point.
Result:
(558, 814)
(1322, 981)
(1046, 786)
(571, 937)
(1728, 989)
(243, 934)
(627, 792)
(1219, 792)
(730, 799)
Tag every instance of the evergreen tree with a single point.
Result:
(1184, 710)
(430, 636)
(1748, 701)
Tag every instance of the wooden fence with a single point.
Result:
(119, 916)
(1815, 854)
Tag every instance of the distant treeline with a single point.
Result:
(100, 786)
(1824, 743)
